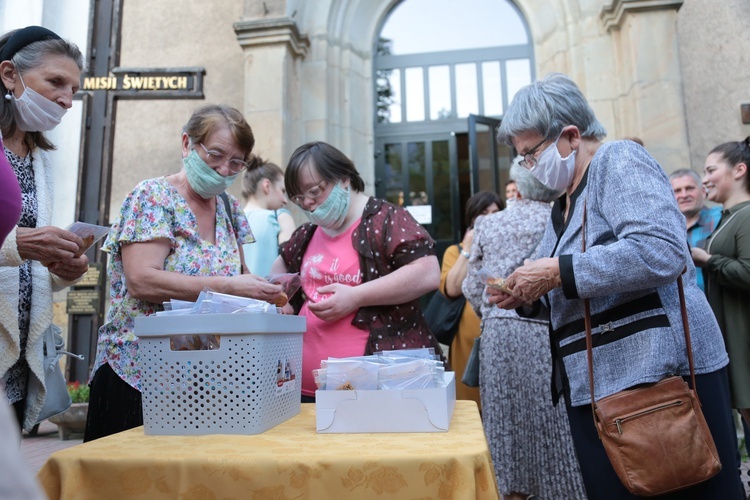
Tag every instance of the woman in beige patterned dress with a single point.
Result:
(529, 438)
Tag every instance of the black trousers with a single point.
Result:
(600, 479)
(114, 406)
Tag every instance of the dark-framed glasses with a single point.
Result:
(529, 160)
(215, 159)
(313, 193)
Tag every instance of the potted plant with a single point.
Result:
(73, 420)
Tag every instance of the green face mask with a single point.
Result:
(332, 212)
(204, 180)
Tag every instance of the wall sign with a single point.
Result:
(150, 83)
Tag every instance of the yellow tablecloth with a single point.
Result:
(289, 461)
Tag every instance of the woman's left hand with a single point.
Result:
(700, 256)
(534, 279)
(342, 301)
(70, 269)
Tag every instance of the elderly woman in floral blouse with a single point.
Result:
(175, 236)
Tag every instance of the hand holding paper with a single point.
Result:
(89, 233)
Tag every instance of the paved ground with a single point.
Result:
(36, 449)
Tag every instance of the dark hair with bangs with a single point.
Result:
(329, 162)
(479, 202)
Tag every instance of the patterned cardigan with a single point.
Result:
(386, 239)
(41, 297)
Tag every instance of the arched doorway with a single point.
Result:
(444, 73)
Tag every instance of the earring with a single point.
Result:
(7, 96)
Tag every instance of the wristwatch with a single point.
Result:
(464, 252)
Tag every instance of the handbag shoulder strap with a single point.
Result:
(587, 325)
(228, 207)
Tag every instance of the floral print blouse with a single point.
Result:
(156, 210)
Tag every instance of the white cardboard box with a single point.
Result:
(410, 410)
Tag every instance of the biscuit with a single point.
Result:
(88, 241)
(345, 387)
(498, 284)
(280, 301)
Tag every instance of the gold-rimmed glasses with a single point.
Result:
(313, 193)
(215, 159)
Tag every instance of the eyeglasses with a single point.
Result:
(215, 159)
(529, 160)
(313, 193)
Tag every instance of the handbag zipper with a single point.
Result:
(618, 421)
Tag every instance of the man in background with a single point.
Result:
(700, 220)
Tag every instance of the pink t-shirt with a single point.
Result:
(328, 260)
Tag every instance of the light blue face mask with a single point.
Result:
(204, 180)
(331, 213)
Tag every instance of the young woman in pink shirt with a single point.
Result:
(364, 263)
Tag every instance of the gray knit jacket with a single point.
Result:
(636, 247)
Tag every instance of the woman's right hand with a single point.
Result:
(255, 287)
(502, 299)
(468, 239)
(48, 244)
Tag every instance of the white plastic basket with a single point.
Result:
(249, 384)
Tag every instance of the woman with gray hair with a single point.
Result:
(529, 438)
(39, 74)
(635, 251)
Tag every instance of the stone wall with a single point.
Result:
(168, 35)
(714, 43)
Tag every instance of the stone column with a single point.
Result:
(273, 49)
(650, 103)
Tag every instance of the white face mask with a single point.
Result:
(34, 112)
(553, 170)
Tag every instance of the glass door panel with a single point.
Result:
(417, 174)
(483, 153)
(442, 183)
(392, 175)
(490, 161)
(421, 174)
(467, 94)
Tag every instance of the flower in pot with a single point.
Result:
(79, 393)
(74, 418)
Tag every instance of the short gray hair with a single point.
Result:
(546, 107)
(685, 172)
(530, 187)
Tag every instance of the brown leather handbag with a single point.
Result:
(655, 435)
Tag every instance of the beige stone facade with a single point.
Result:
(714, 43)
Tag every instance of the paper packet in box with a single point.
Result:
(346, 374)
(211, 302)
